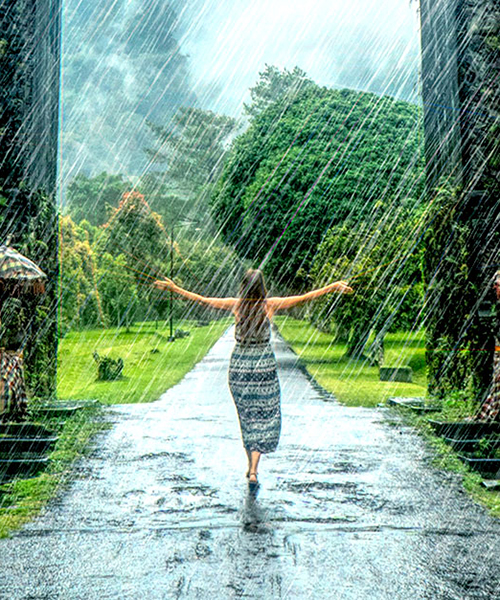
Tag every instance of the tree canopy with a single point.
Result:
(193, 145)
(273, 85)
(94, 198)
(300, 169)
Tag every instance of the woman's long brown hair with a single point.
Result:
(251, 308)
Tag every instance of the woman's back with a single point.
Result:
(252, 322)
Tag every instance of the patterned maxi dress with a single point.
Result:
(254, 385)
(490, 410)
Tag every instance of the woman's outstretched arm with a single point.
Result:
(275, 304)
(223, 303)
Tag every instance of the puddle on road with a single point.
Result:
(297, 486)
(194, 490)
(182, 456)
(173, 477)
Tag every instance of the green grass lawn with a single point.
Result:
(354, 382)
(152, 363)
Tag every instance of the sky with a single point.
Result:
(371, 45)
(110, 93)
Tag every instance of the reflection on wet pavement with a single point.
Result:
(348, 508)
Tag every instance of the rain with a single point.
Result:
(272, 223)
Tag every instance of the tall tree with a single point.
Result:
(93, 198)
(122, 65)
(193, 145)
(296, 172)
(276, 84)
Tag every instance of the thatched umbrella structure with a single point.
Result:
(18, 274)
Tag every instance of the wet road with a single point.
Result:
(349, 508)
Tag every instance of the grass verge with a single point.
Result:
(446, 458)
(353, 381)
(152, 363)
(22, 499)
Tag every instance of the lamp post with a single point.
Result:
(171, 337)
(185, 222)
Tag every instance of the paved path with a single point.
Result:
(349, 508)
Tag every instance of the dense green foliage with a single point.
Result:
(300, 169)
(107, 271)
(459, 344)
(276, 85)
(192, 145)
(382, 261)
(96, 288)
(93, 198)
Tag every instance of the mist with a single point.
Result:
(126, 62)
(363, 44)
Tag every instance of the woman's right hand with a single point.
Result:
(343, 288)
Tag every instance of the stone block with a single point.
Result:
(402, 374)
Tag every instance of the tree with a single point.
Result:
(273, 85)
(138, 233)
(161, 71)
(328, 156)
(117, 290)
(123, 66)
(93, 198)
(172, 200)
(79, 302)
(135, 229)
(193, 146)
(382, 261)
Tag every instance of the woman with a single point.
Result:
(253, 378)
(490, 409)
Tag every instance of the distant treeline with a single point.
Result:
(322, 184)
(108, 270)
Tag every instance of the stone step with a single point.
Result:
(469, 445)
(418, 405)
(464, 429)
(25, 430)
(21, 444)
(485, 466)
(22, 465)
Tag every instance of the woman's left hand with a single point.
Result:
(164, 284)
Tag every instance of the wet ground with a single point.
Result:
(349, 508)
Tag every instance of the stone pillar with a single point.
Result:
(441, 106)
(461, 96)
(29, 110)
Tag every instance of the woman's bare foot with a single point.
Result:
(252, 477)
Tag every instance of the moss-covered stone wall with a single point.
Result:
(29, 109)
(461, 95)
